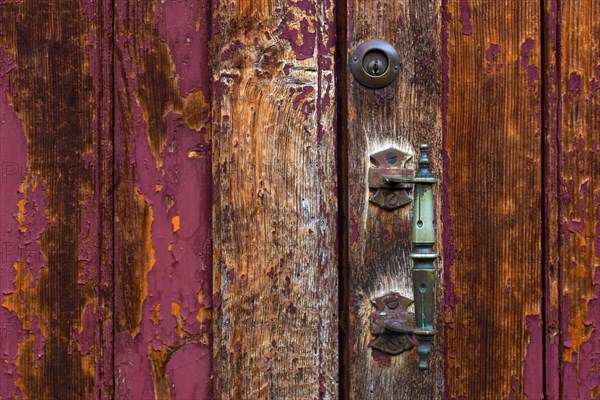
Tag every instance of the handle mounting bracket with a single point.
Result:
(390, 179)
(392, 324)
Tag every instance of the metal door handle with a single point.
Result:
(423, 273)
(394, 325)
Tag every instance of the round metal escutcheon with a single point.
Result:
(375, 63)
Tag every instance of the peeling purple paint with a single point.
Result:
(575, 84)
(581, 372)
(132, 365)
(532, 70)
(231, 276)
(597, 229)
(465, 18)
(13, 153)
(302, 99)
(565, 332)
(179, 285)
(177, 23)
(306, 35)
(491, 54)
(552, 355)
(188, 374)
(533, 378)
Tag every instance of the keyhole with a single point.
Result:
(375, 63)
(375, 67)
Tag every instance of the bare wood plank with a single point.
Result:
(403, 115)
(275, 203)
(579, 204)
(162, 239)
(493, 143)
(55, 273)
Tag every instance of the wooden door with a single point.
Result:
(185, 210)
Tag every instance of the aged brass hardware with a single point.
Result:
(390, 179)
(375, 63)
(394, 325)
(423, 239)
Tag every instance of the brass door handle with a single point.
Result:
(393, 324)
(423, 255)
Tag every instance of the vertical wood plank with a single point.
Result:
(275, 200)
(494, 200)
(55, 194)
(579, 201)
(163, 290)
(403, 115)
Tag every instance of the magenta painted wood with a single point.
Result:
(55, 140)
(162, 152)
(13, 156)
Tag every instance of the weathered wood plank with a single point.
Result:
(55, 194)
(162, 228)
(493, 181)
(579, 204)
(403, 115)
(275, 200)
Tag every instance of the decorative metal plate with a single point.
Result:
(385, 179)
(392, 324)
(375, 63)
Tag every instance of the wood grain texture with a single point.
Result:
(55, 276)
(403, 115)
(493, 199)
(275, 200)
(579, 198)
(163, 278)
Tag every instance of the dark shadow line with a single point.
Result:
(341, 66)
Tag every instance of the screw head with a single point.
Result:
(391, 158)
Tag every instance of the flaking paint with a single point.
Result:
(163, 125)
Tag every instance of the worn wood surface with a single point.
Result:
(275, 200)
(579, 198)
(493, 200)
(504, 92)
(55, 194)
(403, 115)
(163, 294)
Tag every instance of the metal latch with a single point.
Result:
(392, 323)
(390, 179)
